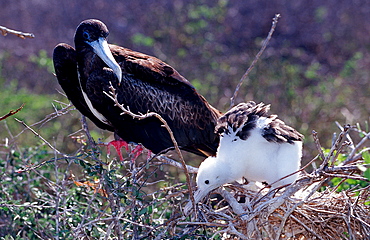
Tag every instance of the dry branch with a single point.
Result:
(19, 34)
(39, 136)
(169, 161)
(11, 112)
(49, 117)
(264, 45)
(56, 151)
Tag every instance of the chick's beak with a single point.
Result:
(198, 196)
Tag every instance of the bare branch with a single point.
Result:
(50, 117)
(19, 34)
(12, 112)
(318, 145)
(335, 146)
(351, 156)
(264, 45)
(46, 142)
(172, 162)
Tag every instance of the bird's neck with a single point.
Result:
(87, 62)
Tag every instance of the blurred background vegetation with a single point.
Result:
(315, 71)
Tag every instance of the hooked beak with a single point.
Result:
(101, 49)
(198, 196)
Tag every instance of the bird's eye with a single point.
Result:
(86, 35)
(206, 181)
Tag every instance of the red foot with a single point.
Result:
(117, 144)
(149, 154)
(135, 153)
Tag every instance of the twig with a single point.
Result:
(39, 136)
(347, 136)
(50, 117)
(57, 113)
(306, 227)
(237, 208)
(113, 218)
(234, 231)
(169, 161)
(334, 147)
(22, 35)
(56, 151)
(350, 156)
(318, 145)
(11, 112)
(339, 151)
(343, 168)
(58, 196)
(344, 176)
(86, 130)
(33, 167)
(264, 45)
(208, 224)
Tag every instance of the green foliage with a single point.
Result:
(36, 107)
(352, 184)
(13, 98)
(43, 61)
(321, 13)
(366, 156)
(2, 57)
(351, 65)
(141, 39)
(312, 71)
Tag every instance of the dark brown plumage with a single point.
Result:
(143, 83)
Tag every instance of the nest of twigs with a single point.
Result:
(292, 214)
(307, 209)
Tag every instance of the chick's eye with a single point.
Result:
(206, 181)
(86, 35)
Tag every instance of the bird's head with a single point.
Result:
(211, 175)
(93, 33)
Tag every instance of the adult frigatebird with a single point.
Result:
(143, 84)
